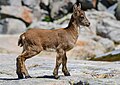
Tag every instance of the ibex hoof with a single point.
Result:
(20, 76)
(56, 77)
(28, 77)
(67, 74)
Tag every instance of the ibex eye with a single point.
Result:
(82, 16)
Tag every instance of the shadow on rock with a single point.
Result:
(9, 79)
(45, 76)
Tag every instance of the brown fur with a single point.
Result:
(63, 39)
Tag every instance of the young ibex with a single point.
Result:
(62, 40)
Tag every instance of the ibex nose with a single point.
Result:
(88, 24)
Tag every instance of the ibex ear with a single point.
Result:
(74, 8)
(79, 6)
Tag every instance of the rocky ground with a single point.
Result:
(16, 16)
(41, 68)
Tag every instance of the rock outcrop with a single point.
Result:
(110, 56)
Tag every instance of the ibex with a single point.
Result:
(62, 40)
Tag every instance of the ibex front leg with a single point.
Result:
(60, 54)
(64, 65)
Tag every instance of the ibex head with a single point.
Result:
(79, 15)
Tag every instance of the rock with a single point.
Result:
(13, 26)
(46, 25)
(15, 2)
(45, 5)
(11, 2)
(31, 3)
(108, 3)
(115, 36)
(117, 12)
(112, 23)
(59, 8)
(101, 7)
(64, 20)
(99, 15)
(4, 2)
(107, 44)
(3, 24)
(46, 2)
(8, 44)
(86, 48)
(60, 23)
(41, 25)
(90, 45)
(96, 17)
(19, 12)
(109, 29)
(93, 26)
(39, 14)
(88, 4)
(103, 31)
(117, 47)
(1, 27)
(41, 68)
(110, 56)
(112, 9)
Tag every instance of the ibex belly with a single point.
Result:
(49, 46)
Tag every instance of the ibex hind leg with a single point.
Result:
(21, 68)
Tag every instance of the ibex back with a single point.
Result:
(35, 40)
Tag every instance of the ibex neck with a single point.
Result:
(73, 28)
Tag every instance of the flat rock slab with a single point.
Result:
(41, 68)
